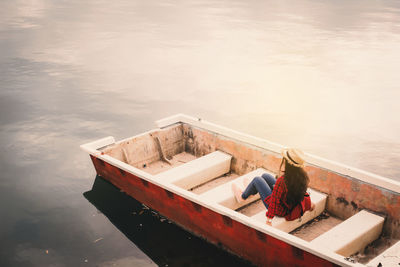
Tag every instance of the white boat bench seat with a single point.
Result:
(390, 257)
(198, 171)
(352, 235)
(318, 198)
(223, 194)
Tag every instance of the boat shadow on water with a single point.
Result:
(164, 242)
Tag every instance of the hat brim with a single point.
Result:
(285, 155)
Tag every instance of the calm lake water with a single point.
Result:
(319, 75)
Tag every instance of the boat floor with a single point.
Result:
(252, 208)
(374, 249)
(160, 165)
(308, 231)
(214, 183)
(316, 227)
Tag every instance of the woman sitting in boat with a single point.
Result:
(286, 196)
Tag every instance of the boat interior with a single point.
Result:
(207, 164)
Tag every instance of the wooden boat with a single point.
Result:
(184, 169)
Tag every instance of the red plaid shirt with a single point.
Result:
(277, 200)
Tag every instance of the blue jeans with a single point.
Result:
(262, 185)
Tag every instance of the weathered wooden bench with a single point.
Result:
(352, 235)
(319, 199)
(197, 171)
(223, 194)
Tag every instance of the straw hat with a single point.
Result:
(294, 157)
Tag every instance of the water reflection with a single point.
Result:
(165, 243)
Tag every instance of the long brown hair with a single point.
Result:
(296, 180)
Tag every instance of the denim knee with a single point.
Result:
(267, 176)
(258, 179)
(269, 179)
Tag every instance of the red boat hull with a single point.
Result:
(246, 242)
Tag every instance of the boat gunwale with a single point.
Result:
(218, 208)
